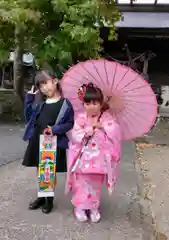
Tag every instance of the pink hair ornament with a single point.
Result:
(81, 92)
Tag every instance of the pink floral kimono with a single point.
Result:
(88, 165)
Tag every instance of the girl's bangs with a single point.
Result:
(93, 97)
(41, 78)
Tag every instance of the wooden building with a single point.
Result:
(143, 41)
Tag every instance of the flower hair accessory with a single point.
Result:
(81, 92)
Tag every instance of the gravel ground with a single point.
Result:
(11, 145)
(18, 187)
(157, 158)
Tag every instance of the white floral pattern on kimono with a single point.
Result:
(99, 158)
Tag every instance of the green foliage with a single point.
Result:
(59, 32)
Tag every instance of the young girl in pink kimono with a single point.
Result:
(93, 156)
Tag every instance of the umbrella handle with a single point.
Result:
(79, 155)
(88, 139)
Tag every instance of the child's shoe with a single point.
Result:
(48, 206)
(39, 202)
(80, 215)
(95, 216)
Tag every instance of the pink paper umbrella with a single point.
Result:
(131, 100)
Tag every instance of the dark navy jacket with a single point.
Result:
(63, 124)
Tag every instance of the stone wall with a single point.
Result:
(11, 109)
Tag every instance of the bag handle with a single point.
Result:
(48, 132)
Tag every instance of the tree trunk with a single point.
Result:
(17, 68)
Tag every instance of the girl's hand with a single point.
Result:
(97, 125)
(89, 133)
(48, 130)
(32, 91)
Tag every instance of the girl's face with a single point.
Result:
(92, 108)
(49, 88)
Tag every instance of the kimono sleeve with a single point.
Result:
(79, 130)
(113, 134)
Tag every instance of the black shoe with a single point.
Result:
(48, 206)
(39, 202)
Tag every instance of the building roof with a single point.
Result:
(135, 2)
(144, 20)
(143, 13)
(143, 5)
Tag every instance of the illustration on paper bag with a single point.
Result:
(48, 143)
(47, 165)
(47, 169)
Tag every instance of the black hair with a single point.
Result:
(44, 75)
(93, 93)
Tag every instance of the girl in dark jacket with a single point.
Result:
(54, 111)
